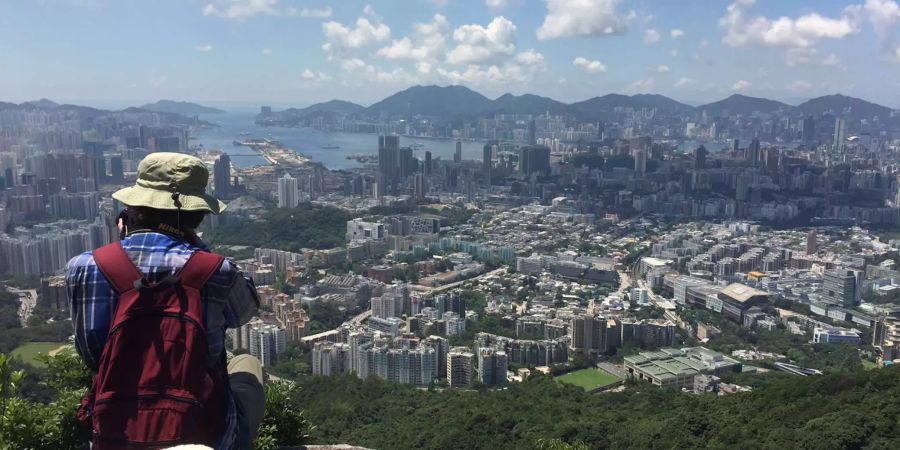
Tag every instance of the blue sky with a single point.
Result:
(302, 51)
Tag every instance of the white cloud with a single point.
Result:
(704, 43)
(589, 65)
(800, 85)
(428, 42)
(205, 48)
(676, 33)
(641, 86)
(241, 9)
(744, 29)
(740, 85)
(809, 57)
(883, 15)
(530, 58)
(662, 68)
(496, 4)
(651, 36)
(484, 45)
(582, 18)
(683, 82)
(673, 52)
(266, 51)
(309, 75)
(352, 64)
(341, 39)
(158, 81)
(314, 13)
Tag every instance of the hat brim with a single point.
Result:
(155, 198)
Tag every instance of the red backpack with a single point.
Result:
(153, 388)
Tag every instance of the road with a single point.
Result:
(664, 304)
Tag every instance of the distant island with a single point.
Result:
(187, 108)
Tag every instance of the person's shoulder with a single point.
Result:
(81, 261)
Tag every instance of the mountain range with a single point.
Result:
(185, 108)
(87, 111)
(459, 102)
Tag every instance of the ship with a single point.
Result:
(331, 147)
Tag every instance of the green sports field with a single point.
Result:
(29, 352)
(588, 379)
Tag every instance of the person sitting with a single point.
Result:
(150, 313)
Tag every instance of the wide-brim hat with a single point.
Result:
(161, 175)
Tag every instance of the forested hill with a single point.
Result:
(839, 411)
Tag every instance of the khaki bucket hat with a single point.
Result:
(161, 175)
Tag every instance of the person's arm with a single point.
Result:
(242, 301)
(89, 308)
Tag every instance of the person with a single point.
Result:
(163, 210)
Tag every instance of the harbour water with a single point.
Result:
(236, 126)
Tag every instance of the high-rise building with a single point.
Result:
(454, 325)
(487, 157)
(266, 342)
(532, 133)
(700, 157)
(886, 338)
(287, 192)
(492, 367)
(808, 132)
(427, 166)
(841, 287)
(811, 242)
(753, 152)
(588, 334)
(420, 187)
(460, 364)
(640, 161)
(534, 159)
(840, 134)
(222, 176)
(457, 156)
(329, 358)
(389, 158)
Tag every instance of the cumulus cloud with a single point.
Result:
(651, 36)
(809, 57)
(590, 66)
(343, 39)
(582, 18)
(740, 85)
(683, 82)
(530, 58)
(427, 42)
(241, 9)
(883, 15)
(478, 44)
(496, 4)
(662, 68)
(309, 75)
(676, 33)
(641, 86)
(205, 48)
(742, 28)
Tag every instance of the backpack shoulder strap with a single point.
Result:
(117, 267)
(199, 268)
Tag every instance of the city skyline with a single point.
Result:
(302, 52)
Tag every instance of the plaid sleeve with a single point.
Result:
(90, 304)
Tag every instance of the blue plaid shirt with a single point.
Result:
(230, 300)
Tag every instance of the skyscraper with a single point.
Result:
(287, 192)
(840, 134)
(389, 158)
(420, 187)
(534, 159)
(487, 157)
(811, 242)
(588, 334)
(427, 165)
(460, 362)
(753, 152)
(700, 157)
(222, 176)
(532, 133)
(457, 157)
(808, 132)
(841, 287)
(492, 367)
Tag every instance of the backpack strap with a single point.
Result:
(117, 267)
(199, 268)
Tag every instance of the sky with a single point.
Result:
(297, 52)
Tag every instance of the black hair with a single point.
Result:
(176, 222)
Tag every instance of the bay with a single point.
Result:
(236, 126)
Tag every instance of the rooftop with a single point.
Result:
(742, 292)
